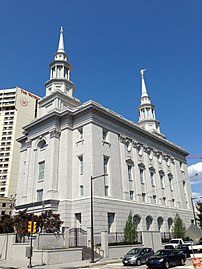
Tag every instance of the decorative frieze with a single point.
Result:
(55, 133)
(151, 152)
(28, 143)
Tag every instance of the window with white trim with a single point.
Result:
(80, 164)
(41, 170)
(141, 175)
(105, 164)
(130, 175)
(39, 195)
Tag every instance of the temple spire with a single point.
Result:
(61, 41)
(147, 118)
(144, 90)
(60, 71)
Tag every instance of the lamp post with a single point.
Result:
(91, 214)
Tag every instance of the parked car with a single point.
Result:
(185, 249)
(174, 243)
(164, 258)
(137, 256)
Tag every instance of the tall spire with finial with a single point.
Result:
(147, 119)
(61, 41)
(60, 71)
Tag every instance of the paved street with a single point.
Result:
(120, 266)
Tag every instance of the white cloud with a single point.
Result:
(195, 176)
(195, 173)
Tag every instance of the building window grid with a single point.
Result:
(170, 183)
(106, 190)
(131, 193)
(141, 176)
(81, 190)
(162, 181)
(39, 195)
(80, 130)
(152, 179)
(81, 164)
(104, 134)
(41, 170)
(130, 175)
(105, 164)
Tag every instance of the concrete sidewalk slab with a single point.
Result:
(14, 264)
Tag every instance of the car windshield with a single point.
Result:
(162, 252)
(174, 241)
(134, 251)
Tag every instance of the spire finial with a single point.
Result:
(144, 90)
(61, 41)
(142, 72)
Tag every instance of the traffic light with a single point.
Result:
(34, 227)
(29, 227)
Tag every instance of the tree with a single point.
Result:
(50, 222)
(179, 229)
(199, 209)
(130, 230)
(21, 222)
(6, 224)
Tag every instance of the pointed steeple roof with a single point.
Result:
(147, 119)
(144, 89)
(61, 41)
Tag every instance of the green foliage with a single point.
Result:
(199, 209)
(21, 220)
(50, 222)
(179, 229)
(47, 222)
(6, 224)
(130, 231)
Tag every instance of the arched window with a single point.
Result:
(170, 222)
(136, 220)
(160, 223)
(149, 221)
(42, 144)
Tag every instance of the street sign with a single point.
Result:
(32, 236)
(194, 232)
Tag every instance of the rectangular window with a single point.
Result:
(152, 179)
(81, 164)
(80, 133)
(106, 190)
(104, 134)
(162, 181)
(105, 164)
(131, 195)
(141, 176)
(39, 195)
(143, 197)
(110, 217)
(170, 184)
(130, 176)
(164, 200)
(81, 190)
(154, 199)
(41, 170)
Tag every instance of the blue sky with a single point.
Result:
(108, 42)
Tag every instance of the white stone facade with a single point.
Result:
(70, 142)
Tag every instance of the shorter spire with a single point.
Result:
(61, 41)
(144, 90)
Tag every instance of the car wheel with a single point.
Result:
(166, 265)
(138, 262)
(182, 262)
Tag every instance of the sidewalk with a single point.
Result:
(70, 265)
